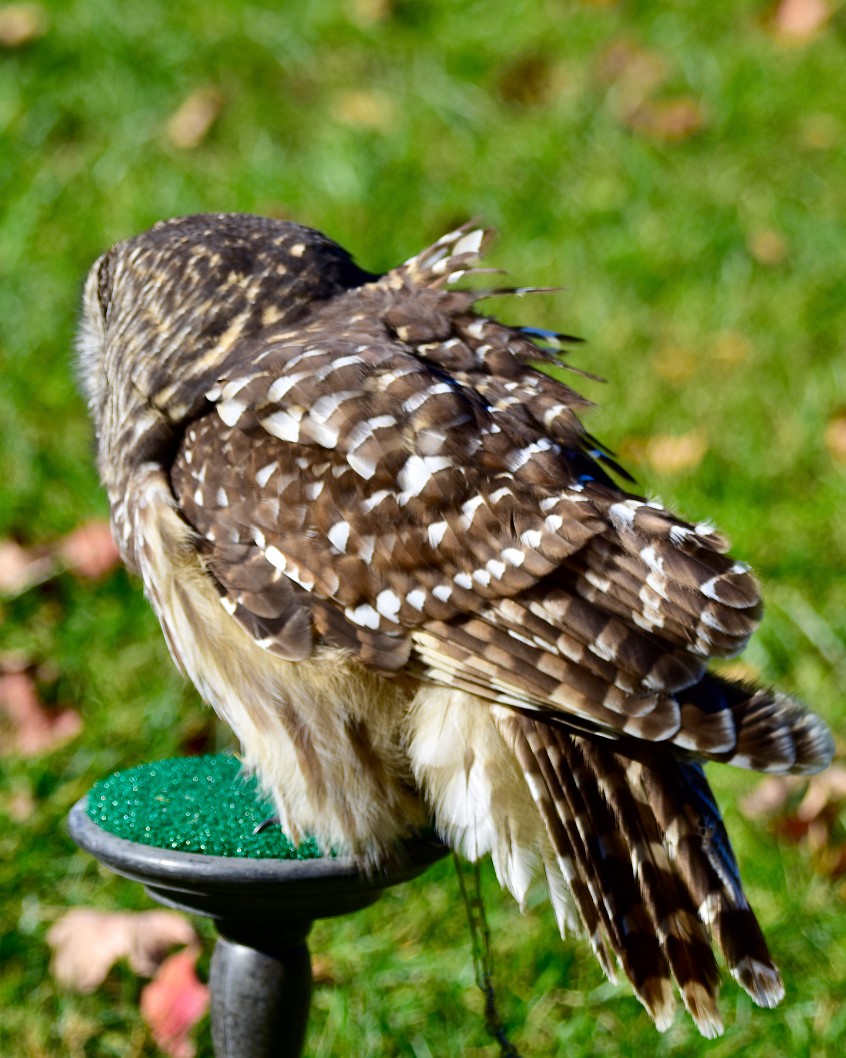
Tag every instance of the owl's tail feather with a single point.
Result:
(771, 731)
(686, 811)
(645, 855)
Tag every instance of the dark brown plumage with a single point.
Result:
(381, 544)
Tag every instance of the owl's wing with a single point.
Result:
(394, 477)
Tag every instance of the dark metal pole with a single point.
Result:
(260, 992)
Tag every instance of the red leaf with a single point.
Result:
(174, 1002)
(33, 729)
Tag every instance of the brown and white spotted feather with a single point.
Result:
(381, 544)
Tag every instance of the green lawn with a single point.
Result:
(700, 238)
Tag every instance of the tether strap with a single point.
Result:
(480, 937)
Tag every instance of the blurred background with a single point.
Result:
(678, 169)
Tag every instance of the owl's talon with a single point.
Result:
(266, 824)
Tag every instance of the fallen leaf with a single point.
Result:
(633, 71)
(821, 132)
(78, 1030)
(835, 436)
(87, 943)
(826, 791)
(191, 123)
(154, 933)
(674, 453)
(32, 728)
(174, 1001)
(768, 247)
(90, 551)
(768, 796)
(365, 109)
(799, 21)
(20, 806)
(21, 23)
(634, 77)
(807, 811)
(667, 120)
(21, 569)
(15, 661)
(731, 347)
(529, 80)
(675, 363)
(323, 970)
(369, 11)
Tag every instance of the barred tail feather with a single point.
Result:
(649, 865)
(772, 732)
(688, 815)
(593, 858)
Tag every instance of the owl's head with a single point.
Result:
(163, 311)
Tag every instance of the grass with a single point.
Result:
(707, 273)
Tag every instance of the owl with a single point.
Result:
(384, 549)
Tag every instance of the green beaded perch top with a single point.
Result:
(193, 804)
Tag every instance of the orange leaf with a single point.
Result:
(174, 1001)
